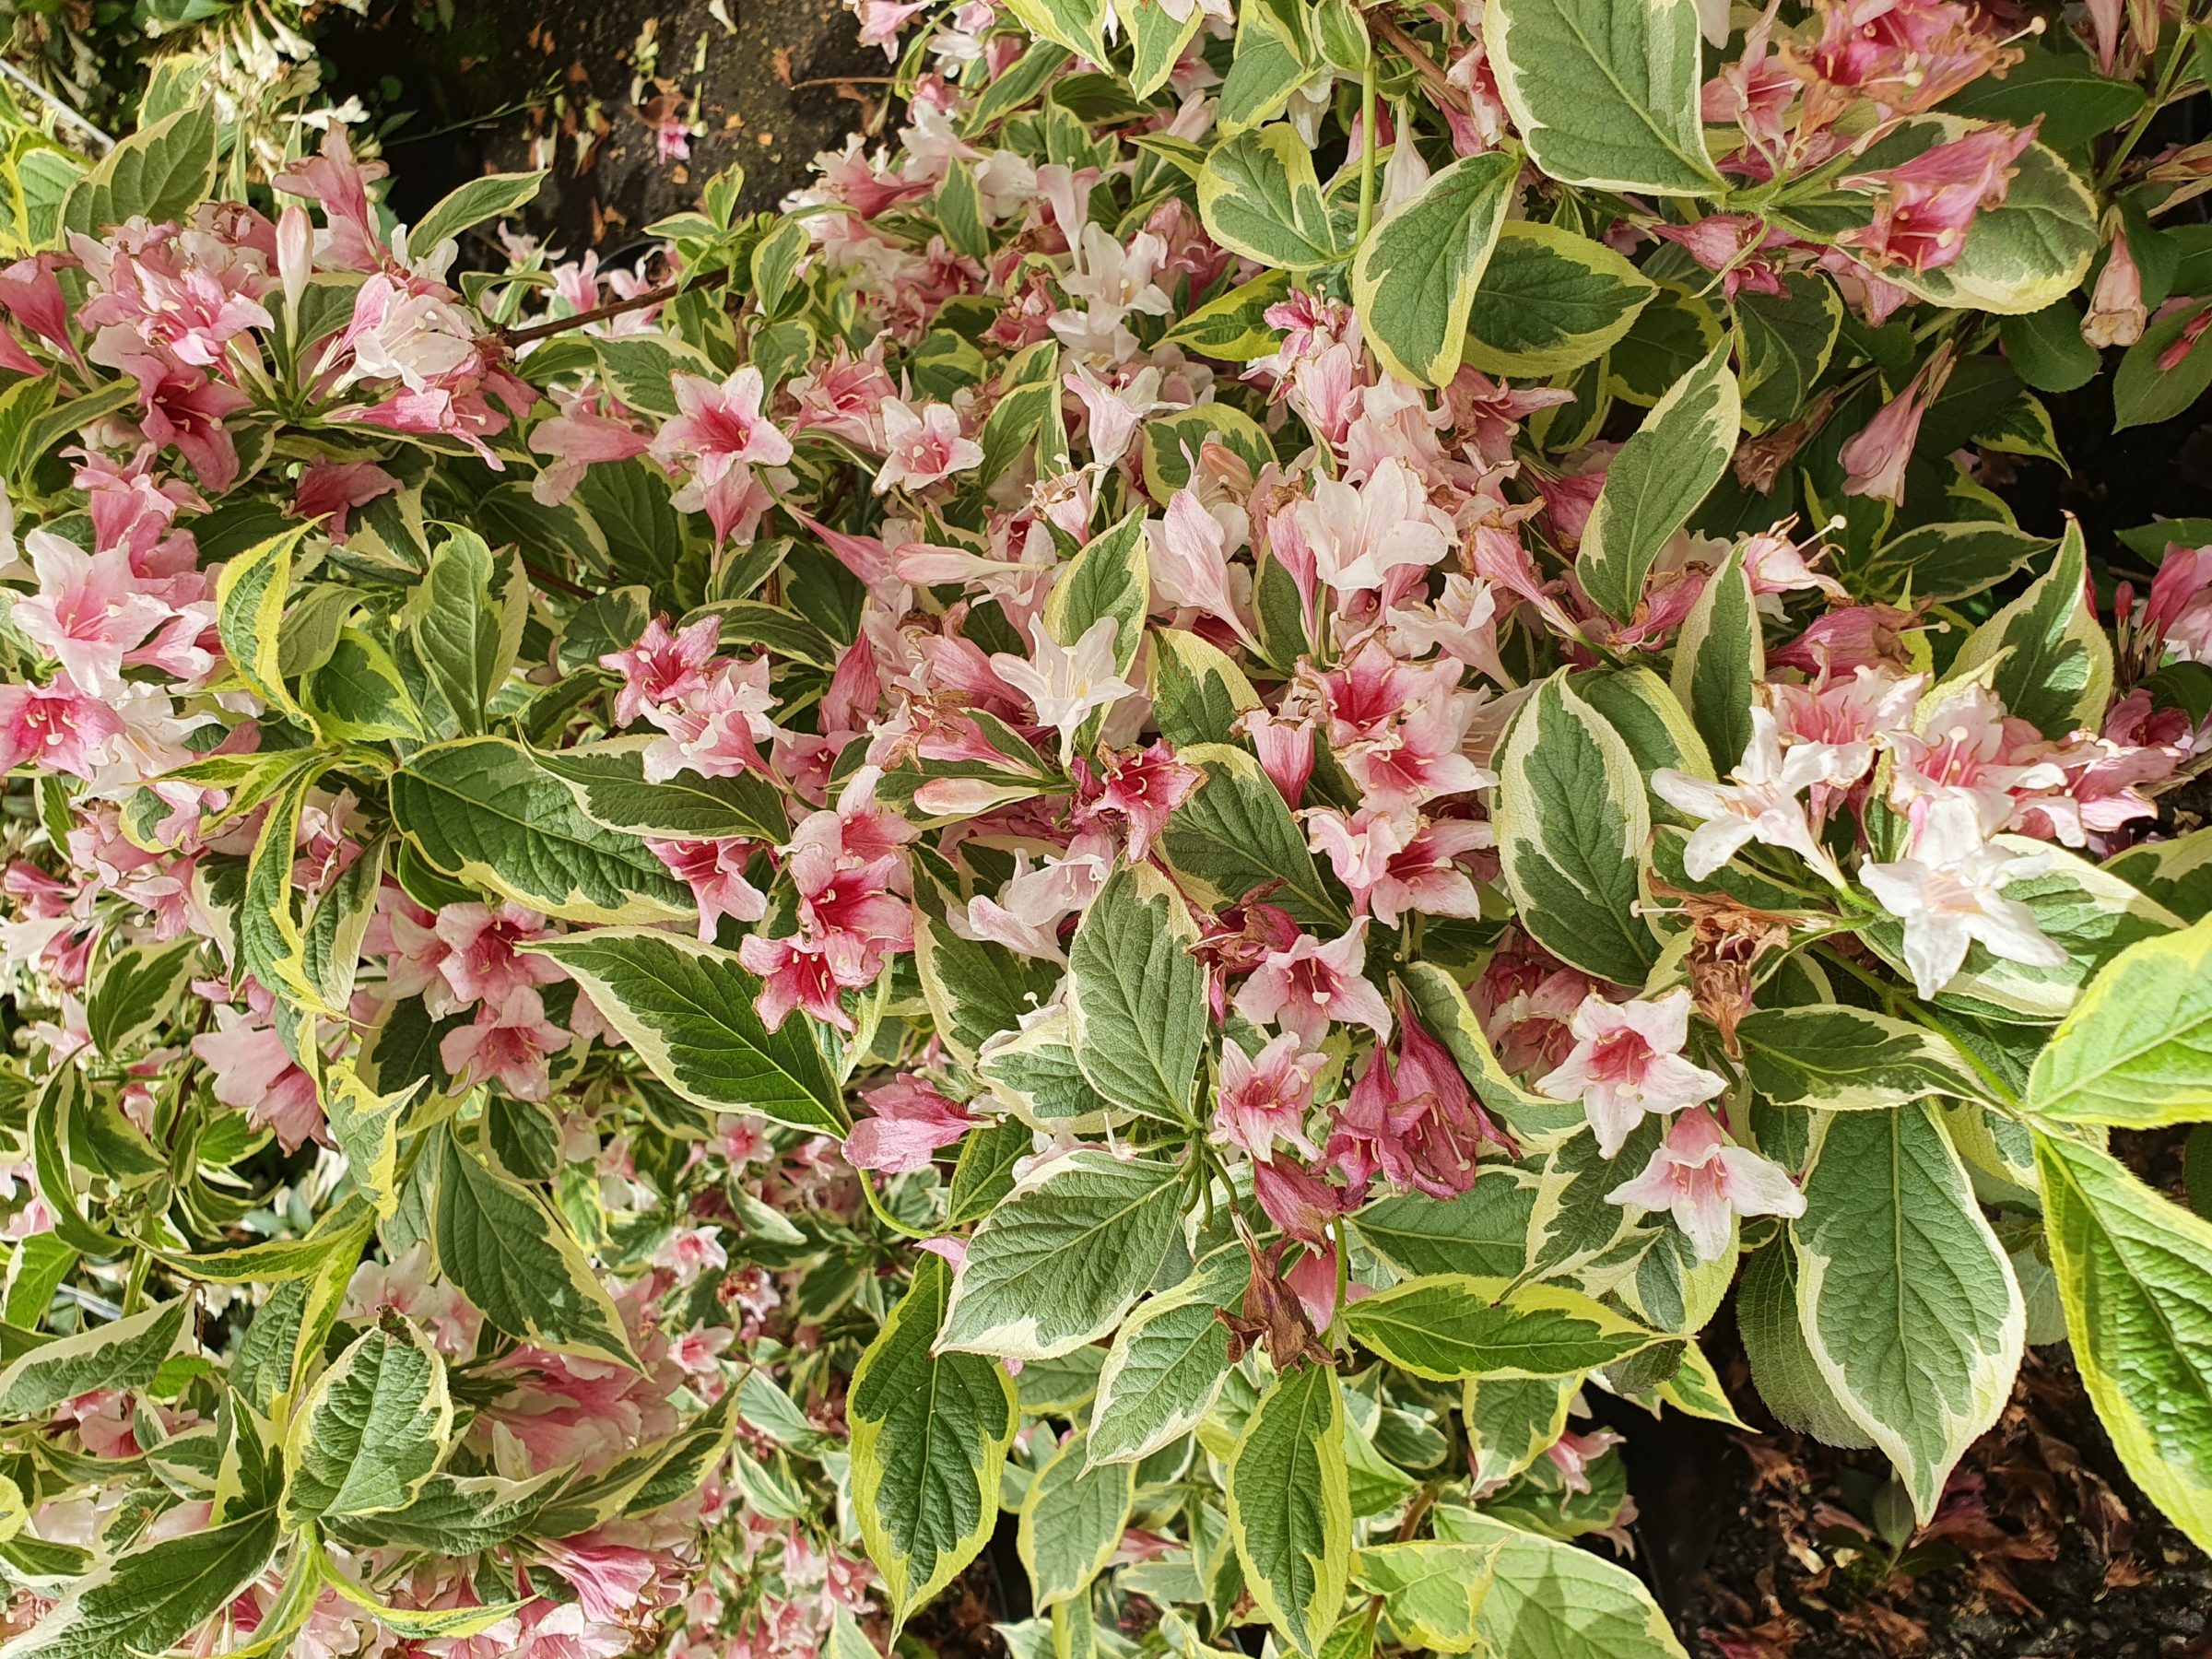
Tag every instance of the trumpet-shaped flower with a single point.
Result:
(1705, 1182)
(1627, 1061)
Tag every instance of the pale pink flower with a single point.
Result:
(1627, 1061)
(1305, 987)
(332, 490)
(410, 1287)
(1875, 460)
(510, 1044)
(1705, 1182)
(1140, 788)
(1028, 912)
(1762, 803)
(1114, 412)
(1190, 562)
(715, 730)
(908, 1120)
(584, 433)
(1065, 683)
(714, 871)
(2117, 314)
(252, 1069)
(721, 433)
(339, 184)
(2177, 616)
(688, 1252)
(1948, 892)
(88, 611)
(1359, 537)
(923, 448)
(1264, 1097)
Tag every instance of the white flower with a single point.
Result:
(1762, 804)
(1359, 537)
(1065, 683)
(1948, 895)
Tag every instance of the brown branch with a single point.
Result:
(613, 308)
(1439, 82)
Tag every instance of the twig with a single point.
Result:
(54, 103)
(613, 308)
(1438, 81)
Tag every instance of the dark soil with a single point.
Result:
(2044, 1549)
(506, 85)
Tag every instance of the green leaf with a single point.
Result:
(2135, 1273)
(158, 173)
(1945, 562)
(1431, 1590)
(1138, 995)
(976, 988)
(641, 369)
(1233, 327)
(2176, 874)
(2145, 393)
(1109, 577)
(1074, 24)
(930, 1432)
(511, 1257)
(150, 1600)
(1659, 476)
(1909, 1307)
(2059, 93)
(1234, 835)
(1605, 92)
(1782, 1363)
(1720, 660)
(249, 613)
(2046, 655)
(370, 1431)
(2045, 348)
(1844, 1059)
(136, 991)
(123, 1354)
(460, 1515)
(481, 811)
(1455, 1325)
(1167, 1362)
(1258, 196)
(1511, 1421)
(1198, 691)
(687, 1010)
(1484, 1231)
(1157, 40)
(358, 693)
(1550, 301)
(608, 780)
(464, 623)
(492, 196)
(1572, 823)
(1783, 342)
(1290, 1508)
(982, 1177)
(366, 1127)
(1174, 440)
(2136, 1050)
(1415, 279)
(1061, 1259)
(1072, 1521)
(1550, 1600)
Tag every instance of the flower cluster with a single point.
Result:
(1054, 830)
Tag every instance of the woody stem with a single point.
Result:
(613, 308)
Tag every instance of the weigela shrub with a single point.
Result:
(1182, 812)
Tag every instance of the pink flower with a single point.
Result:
(1305, 987)
(334, 488)
(1360, 537)
(1299, 1202)
(925, 448)
(582, 434)
(721, 433)
(1265, 1098)
(1875, 461)
(1141, 788)
(663, 667)
(1065, 683)
(56, 727)
(510, 1044)
(1627, 1061)
(714, 871)
(1190, 562)
(88, 611)
(2178, 616)
(1286, 752)
(182, 407)
(1398, 728)
(1415, 1122)
(1396, 864)
(182, 292)
(688, 1252)
(795, 974)
(339, 184)
(252, 1071)
(2117, 314)
(1733, 245)
(1926, 205)
(1706, 1183)
(1903, 55)
(410, 1285)
(483, 962)
(910, 1122)
(717, 729)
